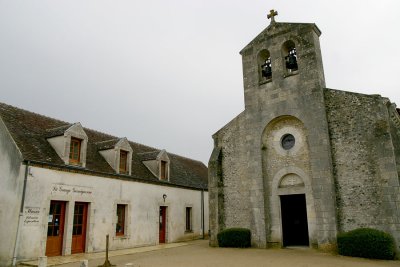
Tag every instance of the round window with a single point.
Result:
(288, 141)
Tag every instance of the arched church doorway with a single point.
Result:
(294, 220)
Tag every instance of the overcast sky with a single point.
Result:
(168, 74)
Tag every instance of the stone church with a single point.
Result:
(303, 162)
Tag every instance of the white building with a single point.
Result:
(65, 187)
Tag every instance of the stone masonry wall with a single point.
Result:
(395, 133)
(366, 178)
(236, 190)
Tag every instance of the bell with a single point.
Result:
(266, 70)
(291, 61)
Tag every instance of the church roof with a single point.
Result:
(30, 132)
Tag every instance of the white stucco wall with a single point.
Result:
(103, 194)
(11, 184)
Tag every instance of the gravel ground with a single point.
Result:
(199, 254)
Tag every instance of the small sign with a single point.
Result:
(32, 216)
(69, 190)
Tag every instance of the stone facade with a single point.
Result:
(365, 145)
(344, 158)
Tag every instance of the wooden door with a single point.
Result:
(55, 228)
(162, 223)
(79, 227)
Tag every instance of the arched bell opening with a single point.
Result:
(264, 66)
(290, 57)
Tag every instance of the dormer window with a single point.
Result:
(118, 153)
(70, 143)
(75, 151)
(158, 163)
(123, 161)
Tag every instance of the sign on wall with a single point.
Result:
(32, 216)
(69, 190)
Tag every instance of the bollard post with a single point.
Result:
(84, 263)
(42, 261)
(106, 263)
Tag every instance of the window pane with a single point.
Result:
(77, 230)
(50, 231)
(56, 230)
(74, 150)
(57, 208)
(56, 220)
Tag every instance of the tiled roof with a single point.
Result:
(148, 155)
(107, 144)
(57, 131)
(30, 130)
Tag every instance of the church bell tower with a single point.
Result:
(287, 136)
(283, 60)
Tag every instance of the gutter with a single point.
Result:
(21, 214)
(202, 212)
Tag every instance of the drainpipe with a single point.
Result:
(21, 214)
(202, 212)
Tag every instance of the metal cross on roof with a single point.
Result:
(272, 14)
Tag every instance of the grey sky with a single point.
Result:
(168, 73)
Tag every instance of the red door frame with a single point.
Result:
(79, 227)
(55, 228)
(162, 223)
